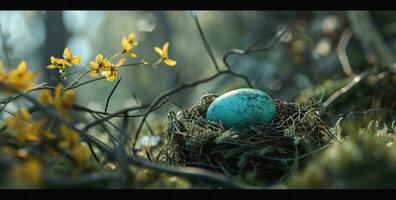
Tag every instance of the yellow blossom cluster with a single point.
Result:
(102, 66)
(62, 99)
(29, 171)
(71, 141)
(61, 63)
(25, 128)
(28, 136)
(19, 79)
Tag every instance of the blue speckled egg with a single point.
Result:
(241, 107)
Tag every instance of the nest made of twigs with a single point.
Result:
(266, 151)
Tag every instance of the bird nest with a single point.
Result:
(266, 152)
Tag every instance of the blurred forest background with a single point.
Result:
(312, 58)
(321, 53)
(307, 56)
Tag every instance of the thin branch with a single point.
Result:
(87, 127)
(206, 44)
(346, 88)
(139, 103)
(115, 127)
(250, 49)
(188, 172)
(191, 173)
(77, 79)
(185, 86)
(342, 55)
(86, 82)
(111, 93)
(232, 73)
(112, 138)
(93, 152)
(116, 114)
(168, 93)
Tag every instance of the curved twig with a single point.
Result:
(342, 55)
(111, 93)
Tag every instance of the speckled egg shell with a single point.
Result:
(241, 107)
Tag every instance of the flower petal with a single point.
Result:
(106, 64)
(76, 60)
(94, 73)
(170, 62)
(112, 75)
(132, 36)
(165, 49)
(94, 65)
(126, 46)
(159, 51)
(69, 97)
(22, 67)
(99, 58)
(106, 73)
(45, 97)
(132, 55)
(53, 60)
(67, 54)
(120, 62)
(51, 67)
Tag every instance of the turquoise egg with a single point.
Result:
(241, 107)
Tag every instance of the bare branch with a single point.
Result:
(346, 88)
(342, 55)
(206, 44)
(111, 93)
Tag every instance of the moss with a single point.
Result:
(327, 88)
(375, 91)
(361, 161)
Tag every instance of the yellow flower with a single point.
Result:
(70, 139)
(20, 78)
(164, 55)
(45, 97)
(56, 63)
(25, 129)
(68, 56)
(81, 154)
(69, 98)
(22, 116)
(58, 97)
(61, 100)
(99, 64)
(68, 60)
(29, 171)
(128, 43)
(111, 73)
(49, 135)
